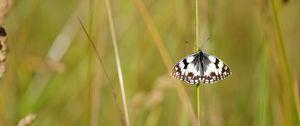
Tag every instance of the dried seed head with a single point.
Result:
(3, 51)
(27, 120)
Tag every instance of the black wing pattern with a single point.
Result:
(201, 67)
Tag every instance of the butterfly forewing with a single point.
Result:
(201, 67)
(186, 70)
(214, 69)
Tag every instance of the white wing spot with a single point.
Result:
(220, 64)
(212, 59)
(190, 59)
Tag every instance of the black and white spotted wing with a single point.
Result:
(201, 67)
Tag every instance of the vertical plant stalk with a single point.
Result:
(264, 90)
(90, 68)
(283, 58)
(198, 103)
(114, 40)
(197, 25)
(196, 48)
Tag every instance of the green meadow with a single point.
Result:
(76, 62)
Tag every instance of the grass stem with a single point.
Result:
(197, 25)
(114, 40)
(198, 103)
(283, 58)
(196, 48)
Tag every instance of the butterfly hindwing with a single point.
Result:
(201, 67)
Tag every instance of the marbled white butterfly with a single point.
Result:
(201, 67)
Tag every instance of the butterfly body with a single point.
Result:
(201, 67)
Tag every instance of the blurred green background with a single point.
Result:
(53, 71)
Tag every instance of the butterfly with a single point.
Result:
(201, 67)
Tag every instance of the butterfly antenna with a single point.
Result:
(203, 44)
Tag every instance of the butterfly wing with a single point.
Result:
(214, 69)
(187, 70)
